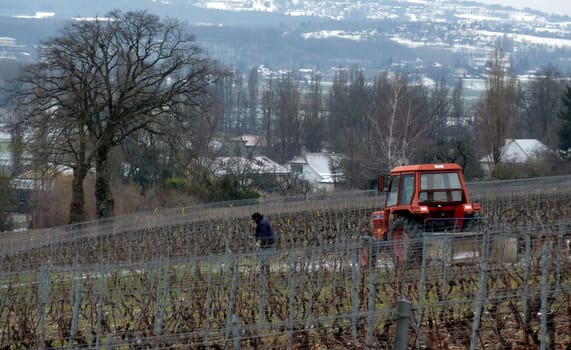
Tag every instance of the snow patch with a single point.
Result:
(341, 34)
(531, 39)
(38, 15)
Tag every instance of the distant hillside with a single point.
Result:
(431, 38)
(29, 31)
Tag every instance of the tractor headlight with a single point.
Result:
(470, 208)
(419, 209)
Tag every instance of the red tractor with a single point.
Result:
(419, 198)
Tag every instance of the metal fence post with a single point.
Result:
(76, 304)
(232, 300)
(262, 304)
(43, 295)
(236, 331)
(544, 296)
(292, 285)
(371, 310)
(314, 266)
(404, 311)
(102, 285)
(421, 289)
(355, 294)
(206, 326)
(560, 250)
(110, 342)
(527, 266)
(482, 290)
(447, 253)
(161, 302)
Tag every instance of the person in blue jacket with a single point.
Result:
(265, 239)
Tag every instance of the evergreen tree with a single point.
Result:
(7, 201)
(565, 129)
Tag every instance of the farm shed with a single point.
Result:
(321, 170)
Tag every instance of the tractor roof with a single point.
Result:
(426, 167)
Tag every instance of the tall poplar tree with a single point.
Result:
(564, 132)
(497, 110)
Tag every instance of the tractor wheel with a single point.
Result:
(367, 259)
(406, 236)
(471, 224)
(369, 252)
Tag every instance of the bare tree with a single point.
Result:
(101, 82)
(268, 111)
(455, 135)
(458, 113)
(252, 99)
(312, 118)
(234, 103)
(541, 104)
(288, 122)
(337, 109)
(402, 114)
(349, 104)
(349, 101)
(57, 139)
(18, 147)
(241, 104)
(497, 110)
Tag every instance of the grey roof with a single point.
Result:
(320, 165)
(520, 151)
(257, 165)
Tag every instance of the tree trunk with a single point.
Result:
(103, 195)
(77, 206)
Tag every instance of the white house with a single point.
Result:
(5, 152)
(7, 146)
(321, 170)
(516, 151)
(258, 169)
(255, 165)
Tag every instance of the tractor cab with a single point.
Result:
(430, 197)
(427, 208)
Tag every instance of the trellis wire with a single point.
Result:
(233, 267)
(317, 290)
(235, 209)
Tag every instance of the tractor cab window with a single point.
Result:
(393, 191)
(407, 189)
(440, 187)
